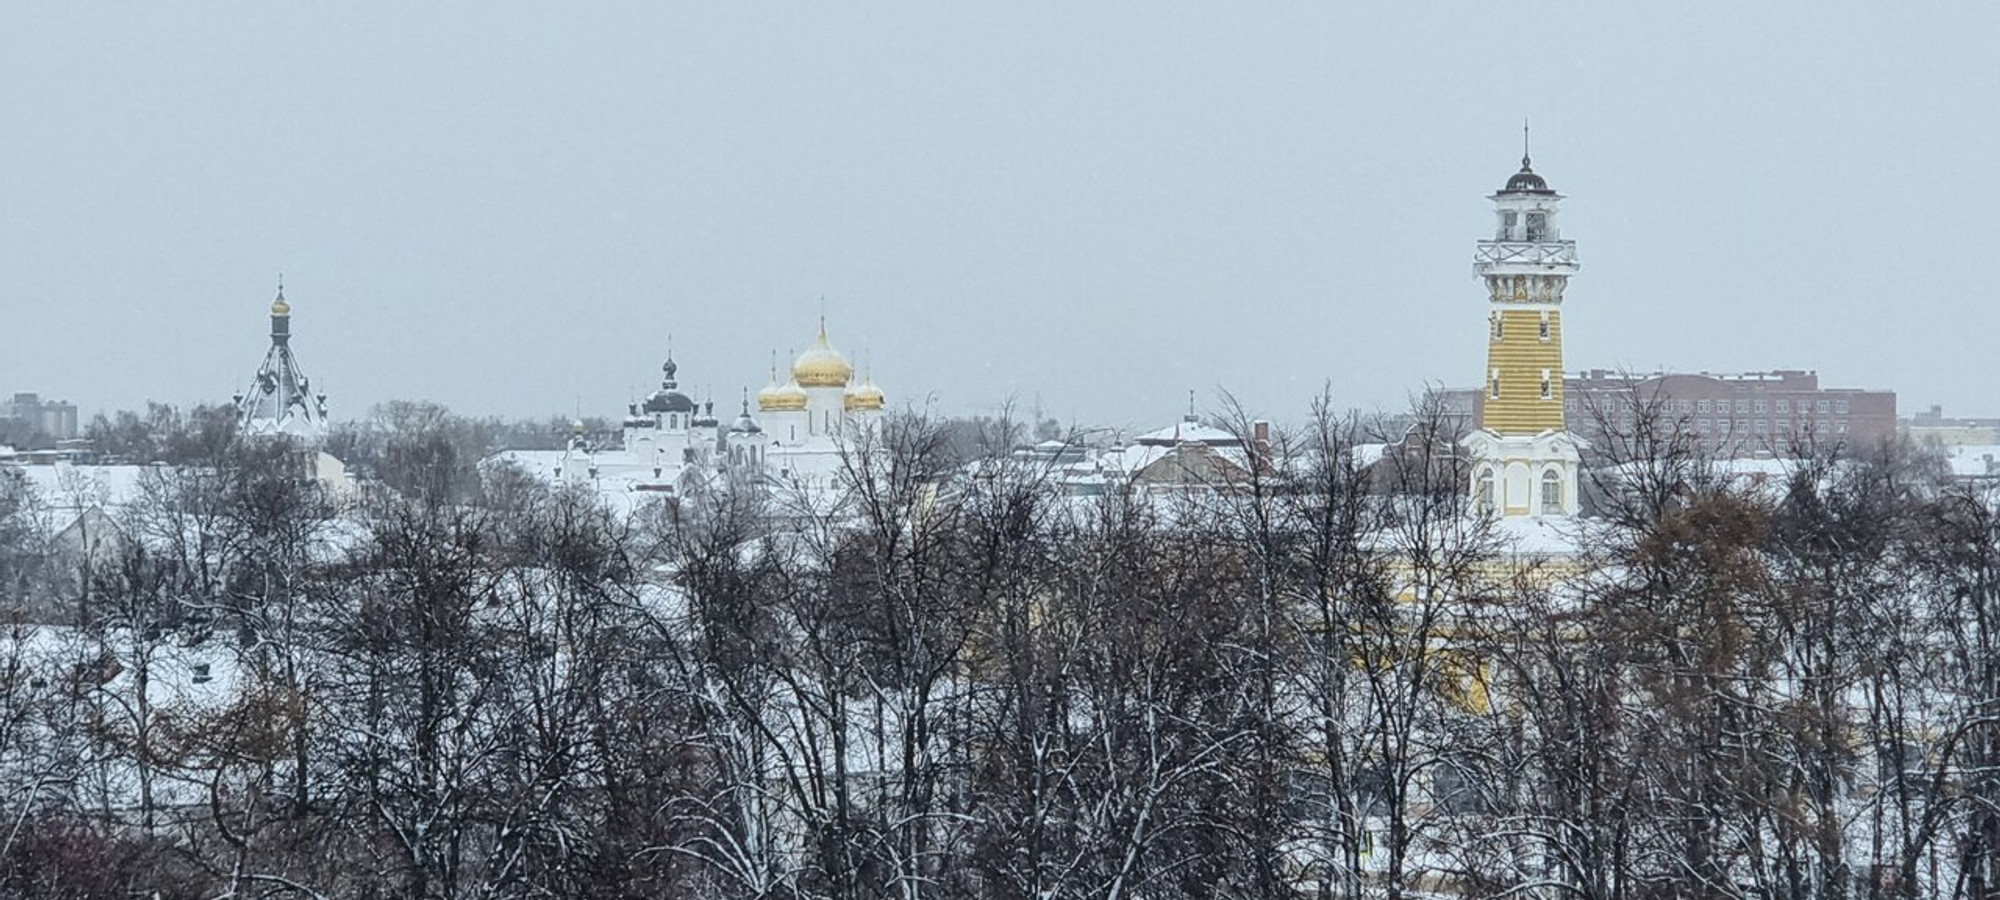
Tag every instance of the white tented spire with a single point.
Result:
(279, 400)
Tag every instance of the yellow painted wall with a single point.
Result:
(1521, 355)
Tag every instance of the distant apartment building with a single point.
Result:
(1749, 414)
(27, 417)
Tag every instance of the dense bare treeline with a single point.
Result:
(949, 679)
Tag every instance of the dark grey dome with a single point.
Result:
(744, 424)
(1526, 181)
(665, 401)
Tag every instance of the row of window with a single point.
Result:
(1755, 426)
(1548, 385)
(1758, 406)
(1781, 426)
(1500, 330)
(1552, 492)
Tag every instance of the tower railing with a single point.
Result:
(1562, 253)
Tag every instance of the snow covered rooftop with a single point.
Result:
(1188, 431)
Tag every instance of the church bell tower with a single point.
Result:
(1525, 460)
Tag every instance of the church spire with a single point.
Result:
(280, 399)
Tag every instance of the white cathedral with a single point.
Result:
(671, 444)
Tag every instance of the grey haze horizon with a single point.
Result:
(1089, 210)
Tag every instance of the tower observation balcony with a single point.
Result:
(1549, 254)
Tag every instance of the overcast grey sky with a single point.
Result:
(509, 208)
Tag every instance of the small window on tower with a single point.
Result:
(1497, 330)
(1494, 390)
(1508, 219)
(1538, 226)
(1548, 390)
(1545, 326)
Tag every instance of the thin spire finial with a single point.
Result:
(1191, 413)
(1524, 143)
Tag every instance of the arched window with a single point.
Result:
(1552, 493)
(1482, 491)
(1545, 325)
(1494, 390)
(1548, 387)
(1498, 327)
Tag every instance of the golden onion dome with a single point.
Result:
(279, 307)
(821, 366)
(865, 396)
(788, 397)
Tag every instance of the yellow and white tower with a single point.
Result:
(1525, 460)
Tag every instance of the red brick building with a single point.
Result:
(1733, 415)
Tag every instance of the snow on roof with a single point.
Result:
(1365, 455)
(68, 486)
(1538, 536)
(1974, 460)
(1186, 432)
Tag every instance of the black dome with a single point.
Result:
(1526, 181)
(669, 402)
